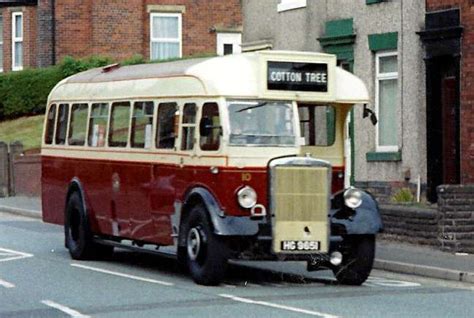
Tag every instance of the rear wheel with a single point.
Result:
(79, 240)
(206, 255)
(358, 258)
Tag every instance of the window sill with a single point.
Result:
(290, 5)
(384, 156)
(369, 2)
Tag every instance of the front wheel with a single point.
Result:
(358, 258)
(206, 255)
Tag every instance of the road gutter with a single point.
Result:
(425, 271)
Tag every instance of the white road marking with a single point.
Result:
(143, 279)
(6, 284)
(64, 309)
(283, 307)
(11, 255)
(375, 281)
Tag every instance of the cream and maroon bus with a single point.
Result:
(234, 157)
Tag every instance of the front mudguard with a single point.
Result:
(365, 219)
(222, 225)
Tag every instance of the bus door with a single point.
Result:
(163, 190)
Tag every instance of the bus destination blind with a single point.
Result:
(289, 76)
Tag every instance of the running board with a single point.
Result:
(166, 251)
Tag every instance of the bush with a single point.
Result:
(404, 195)
(70, 66)
(26, 92)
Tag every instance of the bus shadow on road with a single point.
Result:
(237, 274)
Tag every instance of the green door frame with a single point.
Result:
(339, 39)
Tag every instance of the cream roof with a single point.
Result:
(235, 76)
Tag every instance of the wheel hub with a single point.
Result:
(194, 243)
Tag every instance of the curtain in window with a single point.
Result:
(388, 124)
(165, 37)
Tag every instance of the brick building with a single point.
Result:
(449, 56)
(37, 33)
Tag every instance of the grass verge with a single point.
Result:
(27, 130)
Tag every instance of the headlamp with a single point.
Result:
(353, 198)
(247, 197)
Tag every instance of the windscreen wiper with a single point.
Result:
(252, 107)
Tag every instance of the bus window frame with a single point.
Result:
(192, 126)
(153, 116)
(68, 108)
(87, 123)
(45, 130)
(159, 102)
(221, 122)
(89, 132)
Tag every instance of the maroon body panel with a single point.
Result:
(140, 197)
(136, 200)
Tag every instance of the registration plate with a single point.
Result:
(300, 245)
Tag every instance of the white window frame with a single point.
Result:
(229, 38)
(378, 78)
(168, 40)
(17, 40)
(286, 5)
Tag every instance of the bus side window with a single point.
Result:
(48, 137)
(78, 125)
(61, 124)
(317, 124)
(119, 122)
(142, 125)
(211, 142)
(165, 134)
(98, 124)
(189, 126)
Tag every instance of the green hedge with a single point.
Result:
(25, 93)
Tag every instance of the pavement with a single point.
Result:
(390, 256)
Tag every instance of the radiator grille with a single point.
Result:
(300, 202)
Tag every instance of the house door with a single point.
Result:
(442, 124)
(449, 127)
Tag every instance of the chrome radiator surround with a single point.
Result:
(298, 224)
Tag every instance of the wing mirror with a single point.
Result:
(369, 113)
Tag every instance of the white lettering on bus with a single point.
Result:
(320, 78)
(286, 77)
(316, 78)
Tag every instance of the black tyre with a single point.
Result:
(358, 258)
(78, 236)
(206, 255)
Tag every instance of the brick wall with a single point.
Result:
(117, 28)
(198, 20)
(121, 28)
(30, 26)
(45, 36)
(467, 81)
(27, 175)
(73, 28)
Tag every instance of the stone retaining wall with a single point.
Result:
(410, 224)
(456, 224)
